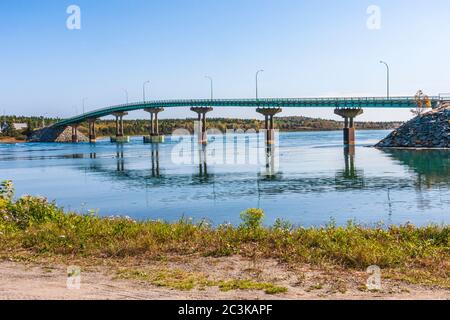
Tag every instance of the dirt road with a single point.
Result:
(31, 281)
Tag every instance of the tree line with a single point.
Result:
(167, 126)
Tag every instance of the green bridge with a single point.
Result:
(348, 108)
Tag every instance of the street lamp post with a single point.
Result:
(126, 94)
(388, 78)
(84, 99)
(212, 86)
(256, 79)
(143, 89)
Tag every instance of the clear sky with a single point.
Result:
(307, 48)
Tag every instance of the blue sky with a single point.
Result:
(307, 48)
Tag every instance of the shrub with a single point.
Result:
(252, 218)
(6, 190)
(34, 210)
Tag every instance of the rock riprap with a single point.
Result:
(430, 130)
(56, 135)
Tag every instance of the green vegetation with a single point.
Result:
(32, 226)
(32, 124)
(167, 126)
(182, 280)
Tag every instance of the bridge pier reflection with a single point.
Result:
(350, 177)
(154, 134)
(201, 130)
(349, 127)
(120, 158)
(155, 161)
(202, 161)
(271, 168)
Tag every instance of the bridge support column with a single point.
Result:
(120, 137)
(74, 133)
(154, 136)
(349, 115)
(92, 135)
(201, 112)
(269, 127)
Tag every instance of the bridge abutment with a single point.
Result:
(269, 127)
(349, 114)
(201, 112)
(154, 134)
(120, 137)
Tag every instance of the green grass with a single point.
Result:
(39, 228)
(185, 281)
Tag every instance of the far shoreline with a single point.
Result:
(12, 140)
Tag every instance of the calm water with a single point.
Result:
(310, 179)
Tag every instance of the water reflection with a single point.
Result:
(350, 177)
(202, 161)
(155, 161)
(429, 168)
(306, 179)
(120, 158)
(271, 162)
(432, 167)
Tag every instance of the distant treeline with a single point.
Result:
(167, 126)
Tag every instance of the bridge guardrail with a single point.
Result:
(378, 102)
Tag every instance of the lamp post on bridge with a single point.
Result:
(388, 76)
(83, 101)
(256, 79)
(212, 86)
(143, 89)
(126, 94)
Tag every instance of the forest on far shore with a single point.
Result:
(167, 126)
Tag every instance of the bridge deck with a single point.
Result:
(361, 102)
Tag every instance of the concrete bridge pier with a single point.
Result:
(92, 134)
(120, 137)
(349, 114)
(74, 132)
(201, 112)
(154, 136)
(269, 113)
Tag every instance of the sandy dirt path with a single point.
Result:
(36, 282)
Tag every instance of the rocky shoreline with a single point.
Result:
(427, 131)
(56, 135)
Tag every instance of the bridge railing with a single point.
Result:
(378, 102)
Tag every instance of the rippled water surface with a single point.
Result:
(309, 179)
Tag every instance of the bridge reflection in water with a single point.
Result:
(350, 177)
(430, 168)
(155, 160)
